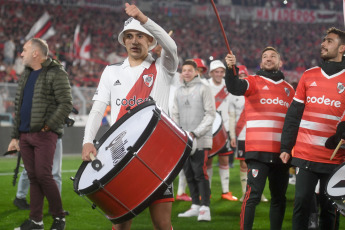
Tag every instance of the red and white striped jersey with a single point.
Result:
(267, 102)
(237, 106)
(324, 100)
(224, 101)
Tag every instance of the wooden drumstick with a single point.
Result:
(170, 33)
(92, 157)
(336, 149)
(223, 32)
(96, 164)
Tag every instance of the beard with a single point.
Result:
(271, 68)
(327, 55)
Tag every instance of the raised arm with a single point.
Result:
(234, 85)
(169, 52)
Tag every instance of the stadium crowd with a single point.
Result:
(299, 4)
(196, 37)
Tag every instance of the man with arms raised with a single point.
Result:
(268, 97)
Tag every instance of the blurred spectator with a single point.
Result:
(18, 65)
(2, 104)
(9, 48)
(194, 36)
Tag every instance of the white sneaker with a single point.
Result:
(263, 198)
(242, 198)
(193, 211)
(204, 214)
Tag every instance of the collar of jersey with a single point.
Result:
(146, 63)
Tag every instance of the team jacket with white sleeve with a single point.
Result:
(268, 97)
(117, 80)
(223, 108)
(317, 108)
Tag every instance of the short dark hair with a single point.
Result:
(269, 48)
(190, 62)
(41, 45)
(338, 32)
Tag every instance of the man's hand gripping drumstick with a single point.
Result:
(336, 140)
(88, 149)
(89, 154)
(230, 60)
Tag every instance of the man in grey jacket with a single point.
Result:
(42, 103)
(194, 110)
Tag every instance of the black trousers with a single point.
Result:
(197, 178)
(305, 188)
(278, 176)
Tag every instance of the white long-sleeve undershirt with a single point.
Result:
(94, 121)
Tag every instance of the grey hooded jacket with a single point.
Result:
(194, 110)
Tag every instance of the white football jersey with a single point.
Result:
(117, 80)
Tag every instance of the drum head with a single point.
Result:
(117, 146)
(217, 124)
(335, 187)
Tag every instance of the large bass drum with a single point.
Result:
(220, 136)
(335, 188)
(140, 156)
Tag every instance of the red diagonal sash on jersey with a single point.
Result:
(142, 88)
(240, 123)
(221, 95)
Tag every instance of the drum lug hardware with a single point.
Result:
(98, 183)
(131, 150)
(96, 144)
(157, 113)
(93, 206)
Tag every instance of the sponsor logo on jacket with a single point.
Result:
(323, 100)
(275, 101)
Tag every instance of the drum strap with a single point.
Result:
(221, 95)
(240, 124)
(142, 87)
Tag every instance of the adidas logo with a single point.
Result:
(117, 82)
(265, 88)
(313, 84)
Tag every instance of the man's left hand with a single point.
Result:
(285, 157)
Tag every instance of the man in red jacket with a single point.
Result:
(268, 97)
(317, 107)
